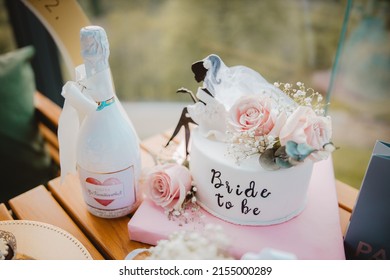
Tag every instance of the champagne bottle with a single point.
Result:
(107, 149)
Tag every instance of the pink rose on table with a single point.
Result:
(304, 126)
(253, 113)
(168, 184)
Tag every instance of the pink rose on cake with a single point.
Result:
(253, 112)
(167, 185)
(282, 134)
(304, 126)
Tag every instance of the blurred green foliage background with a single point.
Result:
(154, 42)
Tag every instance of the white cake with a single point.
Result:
(245, 194)
(252, 154)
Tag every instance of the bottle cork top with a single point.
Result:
(95, 49)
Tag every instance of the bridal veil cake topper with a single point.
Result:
(282, 123)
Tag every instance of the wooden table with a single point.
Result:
(62, 205)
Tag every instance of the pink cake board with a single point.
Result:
(314, 234)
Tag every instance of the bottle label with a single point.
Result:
(109, 195)
(104, 192)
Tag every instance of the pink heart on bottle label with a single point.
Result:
(96, 183)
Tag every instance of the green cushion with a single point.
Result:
(24, 160)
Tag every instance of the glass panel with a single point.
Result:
(360, 93)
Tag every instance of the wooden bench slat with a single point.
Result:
(34, 205)
(48, 114)
(344, 219)
(111, 236)
(154, 145)
(4, 213)
(54, 153)
(346, 195)
(146, 159)
(49, 135)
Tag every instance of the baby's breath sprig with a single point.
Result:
(304, 96)
(243, 145)
(189, 211)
